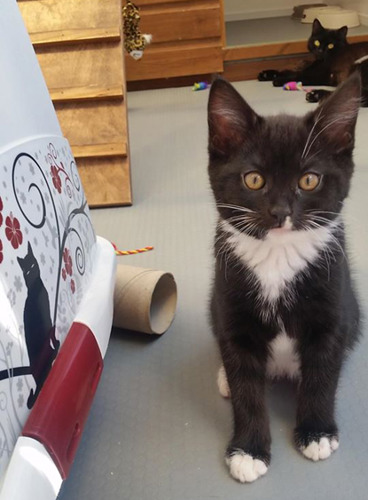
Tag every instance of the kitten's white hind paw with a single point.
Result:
(321, 449)
(222, 383)
(245, 468)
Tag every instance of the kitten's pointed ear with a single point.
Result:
(230, 119)
(336, 118)
(29, 249)
(317, 27)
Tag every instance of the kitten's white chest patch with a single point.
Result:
(278, 258)
(284, 359)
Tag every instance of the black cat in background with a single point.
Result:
(42, 345)
(334, 60)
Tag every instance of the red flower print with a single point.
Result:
(68, 262)
(63, 274)
(72, 286)
(56, 178)
(1, 252)
(1, 215)
(12, 231)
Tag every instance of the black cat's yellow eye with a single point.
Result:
(317, 43)
(330, 46)
(254, 181)
(309, 181)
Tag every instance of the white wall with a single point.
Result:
(254, 9)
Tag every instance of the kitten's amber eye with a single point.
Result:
(309, 182)
(317, 43)
(330, 46)
(254, 181)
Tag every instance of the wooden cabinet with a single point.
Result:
(188, 38)
(191, 38)
(79, 46)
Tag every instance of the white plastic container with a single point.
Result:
(54, 272)
(339, 18)
(332, 17)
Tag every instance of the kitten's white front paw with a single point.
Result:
(321, 449)
(245, 468)
(222, 383)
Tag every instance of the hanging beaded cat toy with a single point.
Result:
(134, 41)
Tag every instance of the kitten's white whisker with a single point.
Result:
(319, 117)
(238, 218)
(334, 240)
(340, 118)
(318, 219)
(347, 216)
(317, 211)
(338, 244)
(223, 254)
(242, 226)
(235, 207)
(308, 158)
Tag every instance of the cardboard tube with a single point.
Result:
(144, 299)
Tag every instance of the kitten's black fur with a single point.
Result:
(42, 345)
(334, 59)
(323, 317)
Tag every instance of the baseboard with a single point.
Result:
(257, 14)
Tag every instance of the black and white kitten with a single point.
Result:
(283, 302)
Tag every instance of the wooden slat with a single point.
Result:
(93, 122)
(95, 66)
(267, 50)
(86, 93)
(248, 70)
(54, 15)
(99, 150)
(222, 23)
(182, 23)
(106, 181)
(146, 4)
(40, 39)
(187, 45)
(357, 38)
(176, 61)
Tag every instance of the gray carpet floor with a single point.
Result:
(158, 427)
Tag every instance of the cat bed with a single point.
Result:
(299, 10)
(56, 281)
(332, 17)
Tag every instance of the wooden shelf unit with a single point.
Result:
(79, 45)
(188, 37)
(191, 43)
